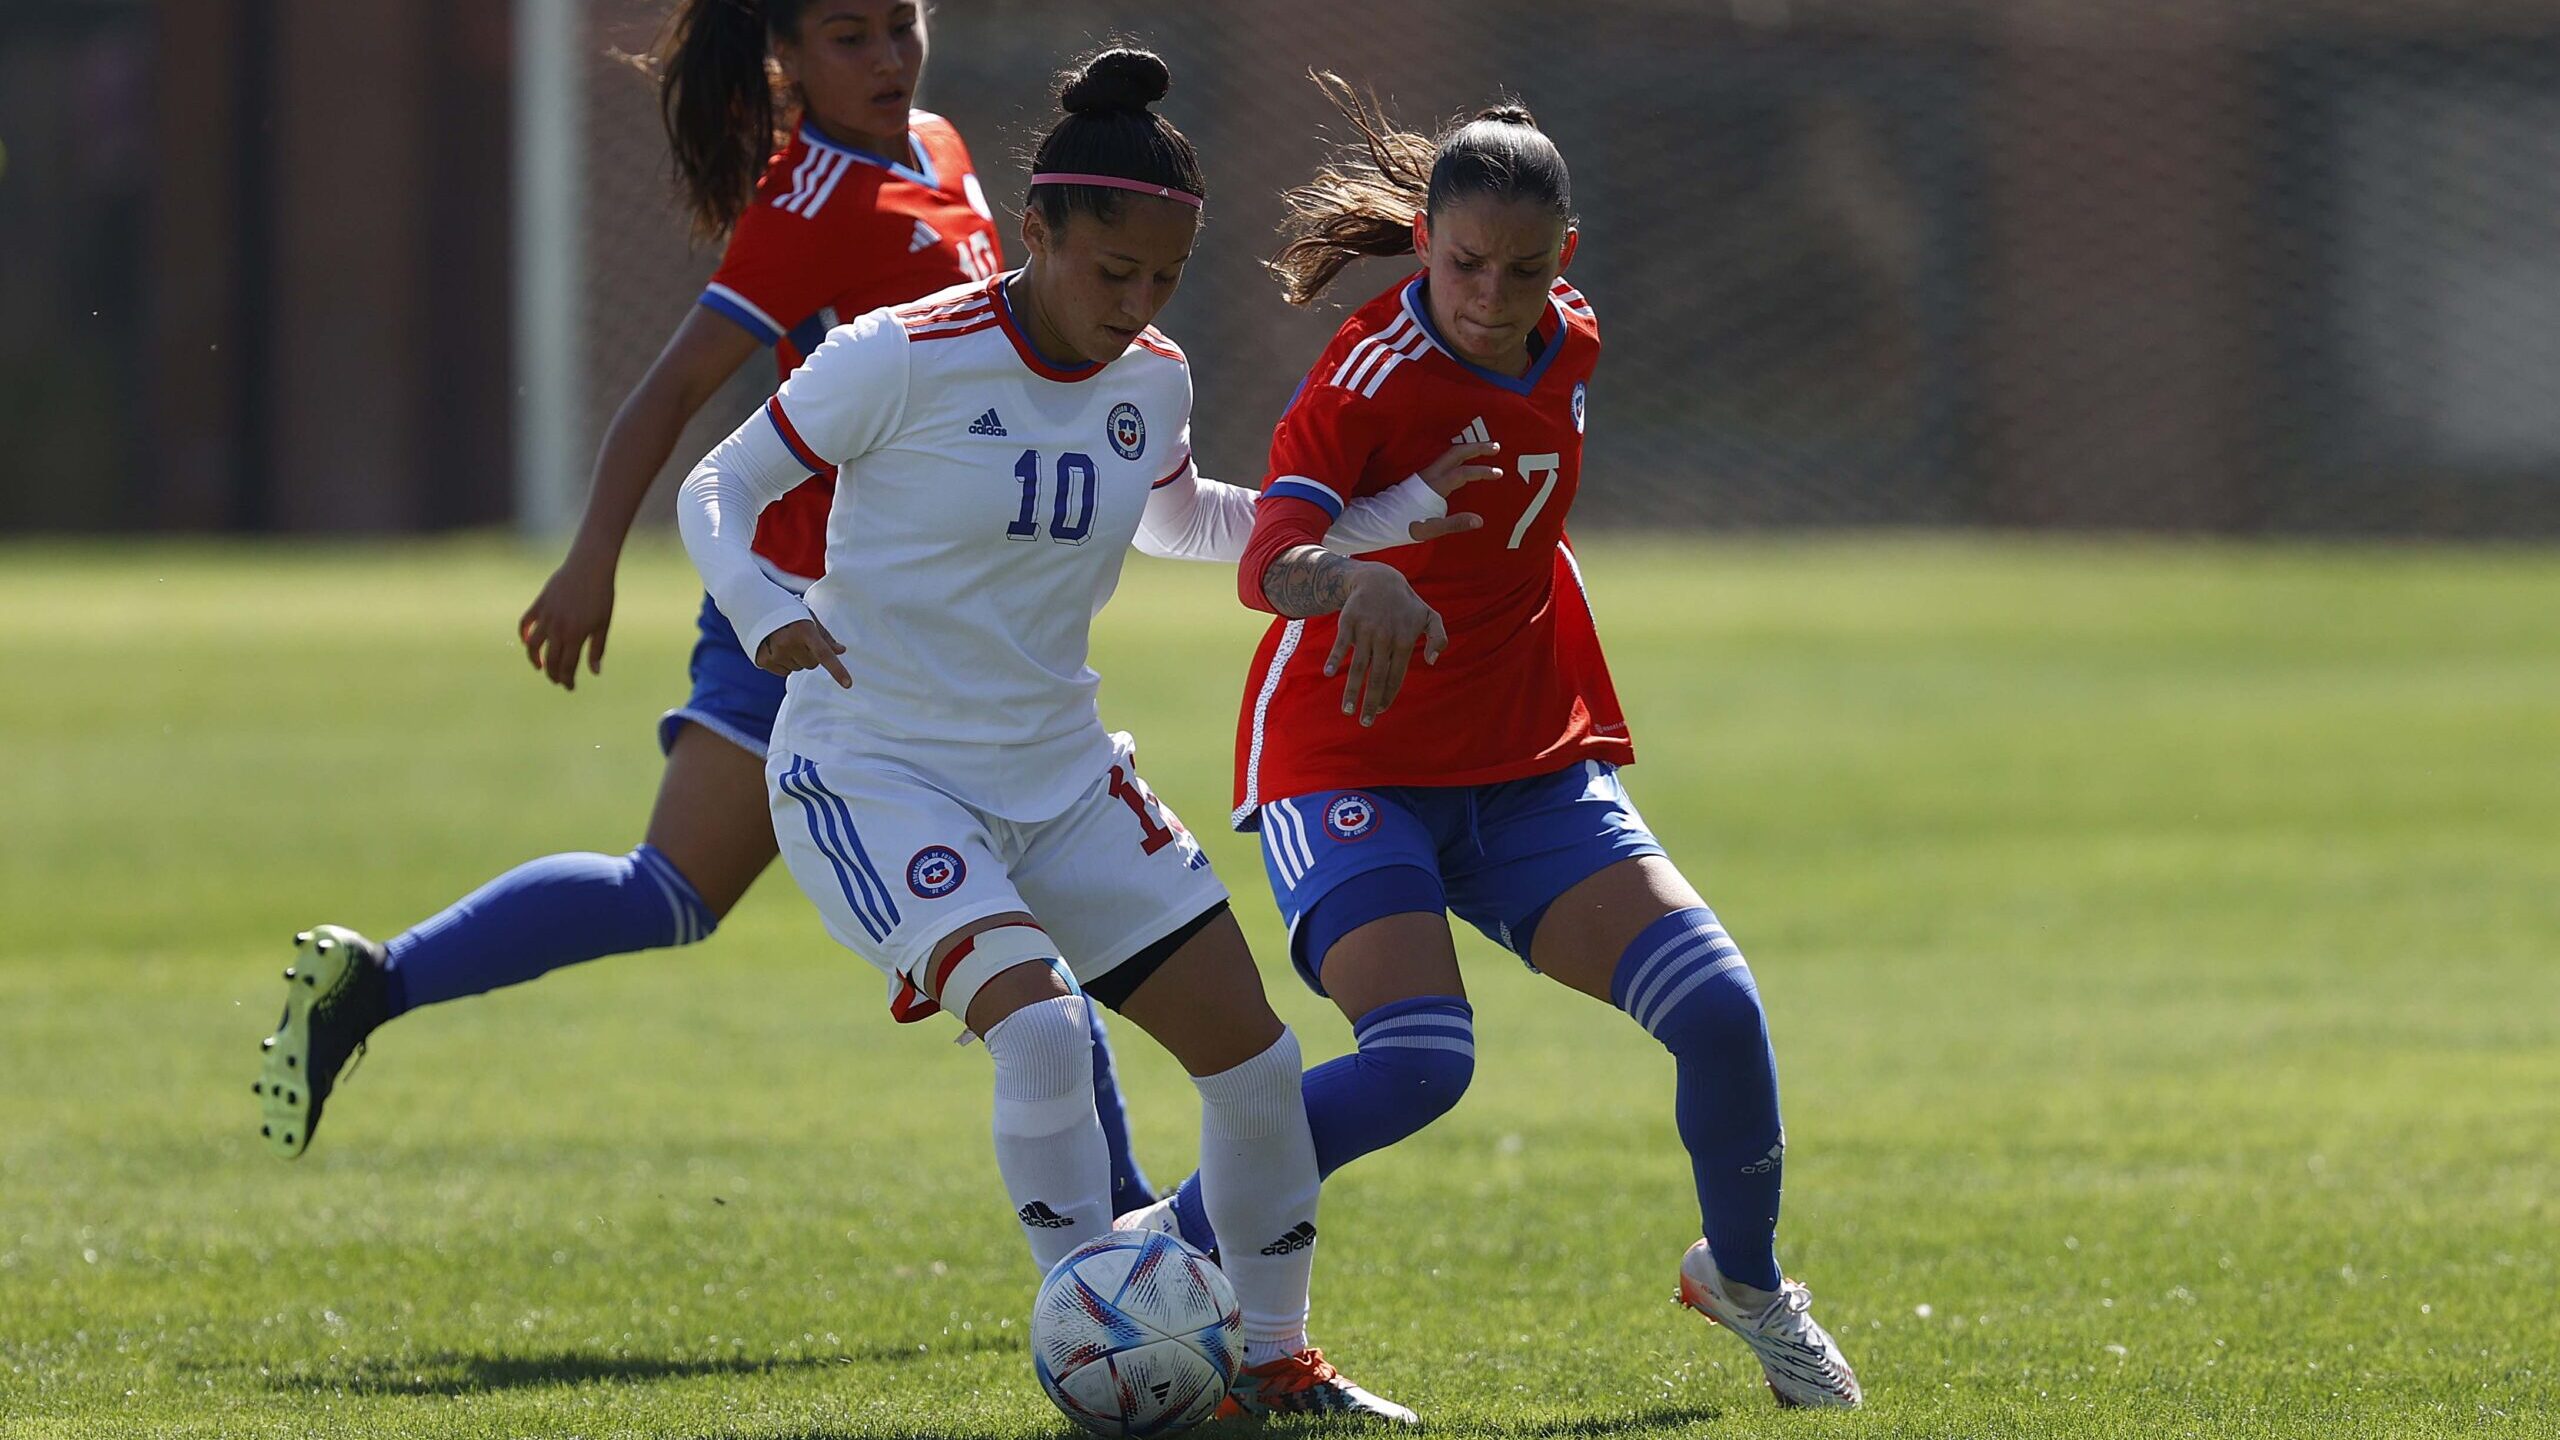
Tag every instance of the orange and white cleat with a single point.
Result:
(1801, 1361)
(1305, 1384)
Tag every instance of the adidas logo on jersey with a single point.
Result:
(987, 424)
(1039, 1216)
(926, 237)
(1474, 434)
(1298, 1238)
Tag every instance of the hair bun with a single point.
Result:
(1119, 81)
(1510, 112)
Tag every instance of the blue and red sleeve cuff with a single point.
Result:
(1314, 492)
(750, 317)
(791, 439)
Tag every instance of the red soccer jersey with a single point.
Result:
(835, 233)
(1522, 689)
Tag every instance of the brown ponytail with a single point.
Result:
(721, 103)
(1361, 204)
(1364, 202)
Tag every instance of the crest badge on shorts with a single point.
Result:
(936, 871)
(1350, 816)
(1578, 393)
(1128, 431)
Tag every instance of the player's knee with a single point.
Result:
(1685, 982)
(1043, 1056)
(1424, 1052)
(689, 918)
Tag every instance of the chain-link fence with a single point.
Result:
(2284, 265)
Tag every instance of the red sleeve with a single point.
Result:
(777, 271)
(1280, 524)
(1320, 459)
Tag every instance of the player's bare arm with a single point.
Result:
(574, 611)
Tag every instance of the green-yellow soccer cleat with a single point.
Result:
(336, 992)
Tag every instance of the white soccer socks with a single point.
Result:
(1258, 1182)
(1049, 1145)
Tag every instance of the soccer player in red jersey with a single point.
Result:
(867, 202)
(1482, 782)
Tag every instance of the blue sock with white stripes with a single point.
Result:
(541, 915)
(1684, 981)
(1414, 1061)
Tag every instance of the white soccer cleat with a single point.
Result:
(1802, 1362)
(1157, 1217)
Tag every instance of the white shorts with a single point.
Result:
(896, 865)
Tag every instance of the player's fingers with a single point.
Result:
(1385, 680)
(1435, 637)
(824, 638)
(560, 657)
(1451, 470)
(529, 634)
(1433, 529)
(1468, 475)
(595, 651)
(835, 667)
(1341, 647)
(1354, 674)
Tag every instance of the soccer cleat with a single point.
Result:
(1305, 1384)
(1801, 1361)
(1160, 1218)
(335, 994)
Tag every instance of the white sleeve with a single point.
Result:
(1192, 517)
(1385, 520)
(842, 402)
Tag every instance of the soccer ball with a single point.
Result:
(1136, 1334)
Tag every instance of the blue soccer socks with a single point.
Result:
(1414, 1061)
(541, 915)
(1685, 982)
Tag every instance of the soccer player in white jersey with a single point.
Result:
(941, 783)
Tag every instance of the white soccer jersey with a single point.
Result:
(984, 501)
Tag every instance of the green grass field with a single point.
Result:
(2160, 943)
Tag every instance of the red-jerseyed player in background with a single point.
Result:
(867, 202)
(1490, 788)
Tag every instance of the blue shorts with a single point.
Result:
(1501, 853)
(731, 698)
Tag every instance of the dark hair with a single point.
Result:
(1364, 201)
(723, 105)
(1107, 129)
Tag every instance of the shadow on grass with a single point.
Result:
(454, 1373)
(1643, 1422)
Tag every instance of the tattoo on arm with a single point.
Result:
(1308, 580)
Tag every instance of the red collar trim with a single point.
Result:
(1022, 346)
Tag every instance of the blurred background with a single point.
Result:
(2235, 266)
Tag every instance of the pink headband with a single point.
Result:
(1114, 182)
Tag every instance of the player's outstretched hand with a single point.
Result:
(1382, 619)
(803, 645)
(572, 613)
(1446, 475)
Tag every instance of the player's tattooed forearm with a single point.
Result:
(1309, 580)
